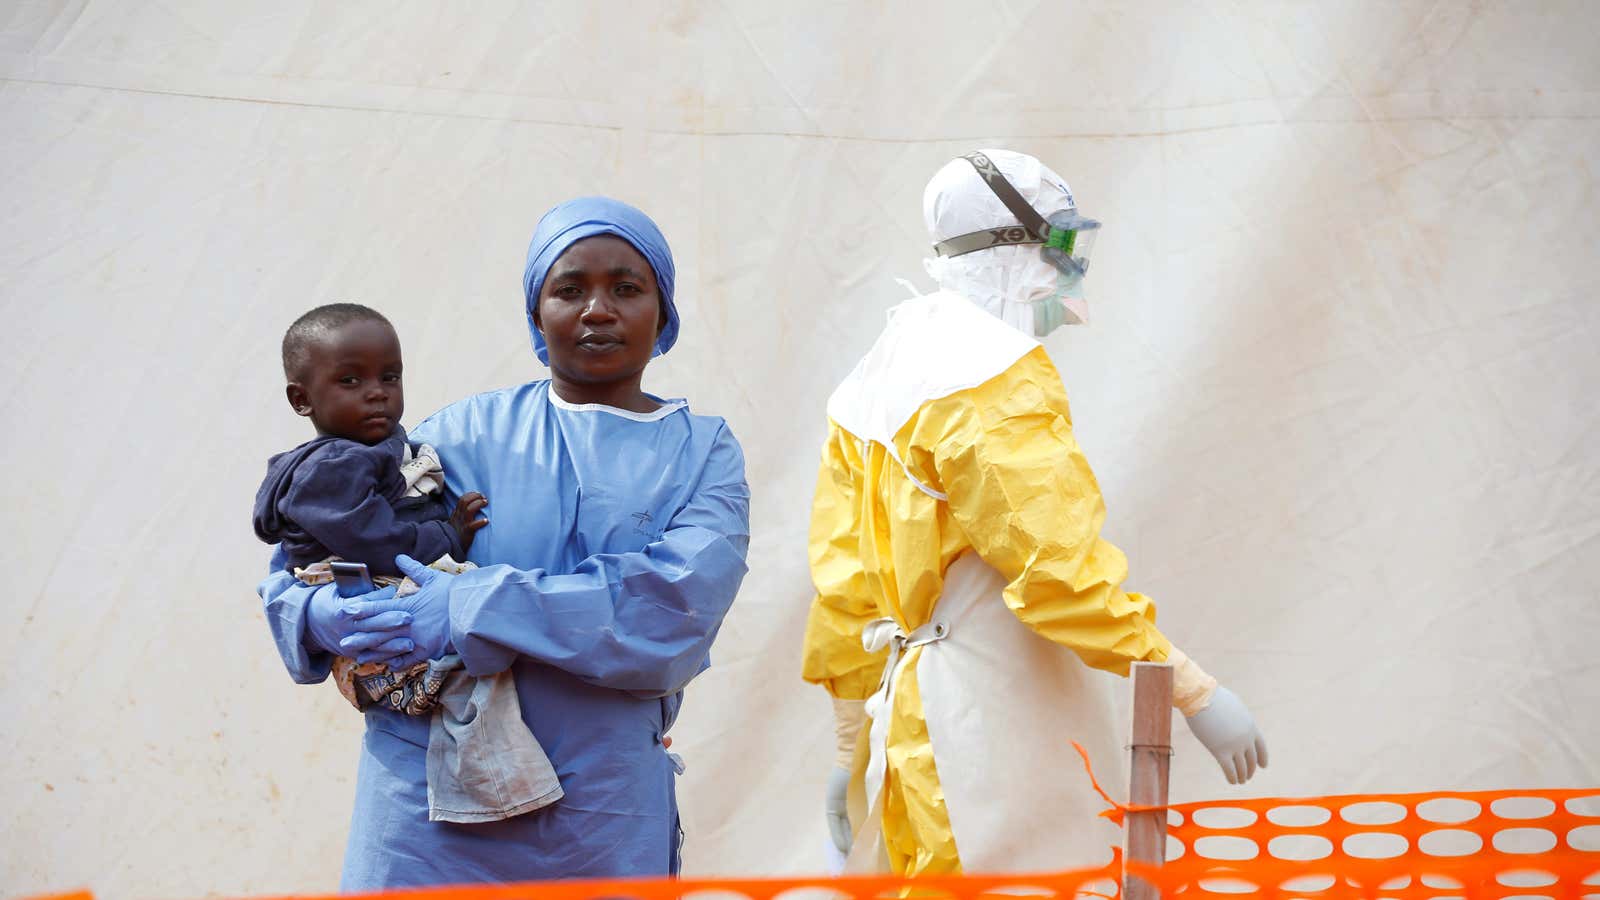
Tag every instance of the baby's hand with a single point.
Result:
(465, 521)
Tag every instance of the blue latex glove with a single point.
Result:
(331, 624)
(423, 619)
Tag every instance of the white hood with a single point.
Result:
(1005, 281)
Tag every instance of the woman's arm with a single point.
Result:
(287, 602)
(310, 627)
(642, 621)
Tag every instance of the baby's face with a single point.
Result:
(351, 382)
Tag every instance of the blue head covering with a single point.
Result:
(575, 220)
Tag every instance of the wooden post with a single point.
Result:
(1150, 762)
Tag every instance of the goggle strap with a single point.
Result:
(983, 240)
(1025, 213)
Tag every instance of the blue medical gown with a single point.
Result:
(615, 545)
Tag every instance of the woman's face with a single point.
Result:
(600, 312)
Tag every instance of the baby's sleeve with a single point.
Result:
(335, 498)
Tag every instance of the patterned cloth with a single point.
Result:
(414, 691)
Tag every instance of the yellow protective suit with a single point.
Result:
(953, 500)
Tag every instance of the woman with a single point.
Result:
(616, 543)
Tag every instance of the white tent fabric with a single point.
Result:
(1339, 388)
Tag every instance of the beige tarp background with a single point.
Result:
(1340, 390)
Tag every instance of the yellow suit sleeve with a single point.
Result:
(832, 655)
(1022, 491)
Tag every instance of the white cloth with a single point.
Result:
(483, 763)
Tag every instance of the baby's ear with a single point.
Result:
(299, 400)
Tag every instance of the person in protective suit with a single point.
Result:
(963, 588)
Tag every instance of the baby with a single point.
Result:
(359, 491)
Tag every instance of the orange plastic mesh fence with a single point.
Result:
(1055, 884)
(1438, 845)
(1481, 845)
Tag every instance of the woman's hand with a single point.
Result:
(423, 634)
(331, 623)
(465, 518)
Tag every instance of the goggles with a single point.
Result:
(1068, 238)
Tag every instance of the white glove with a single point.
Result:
(1227, 729)
(838, 815)
(849, 717)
